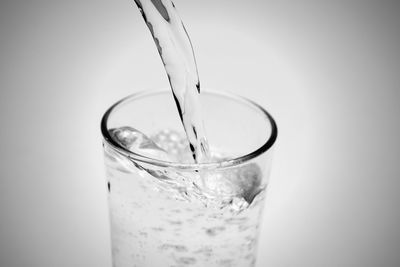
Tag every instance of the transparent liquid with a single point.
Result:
(175, 49)
(179, 219)
(164, 217)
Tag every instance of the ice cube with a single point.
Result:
(243, 182)
(175, 144)
(137, 142)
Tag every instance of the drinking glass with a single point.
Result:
(172, 211)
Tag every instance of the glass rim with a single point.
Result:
(189, 166)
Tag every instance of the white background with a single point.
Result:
(327, 71)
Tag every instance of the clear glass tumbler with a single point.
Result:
(165, 210)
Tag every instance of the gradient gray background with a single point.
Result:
(327, 71)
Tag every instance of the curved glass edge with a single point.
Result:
(189, 166)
